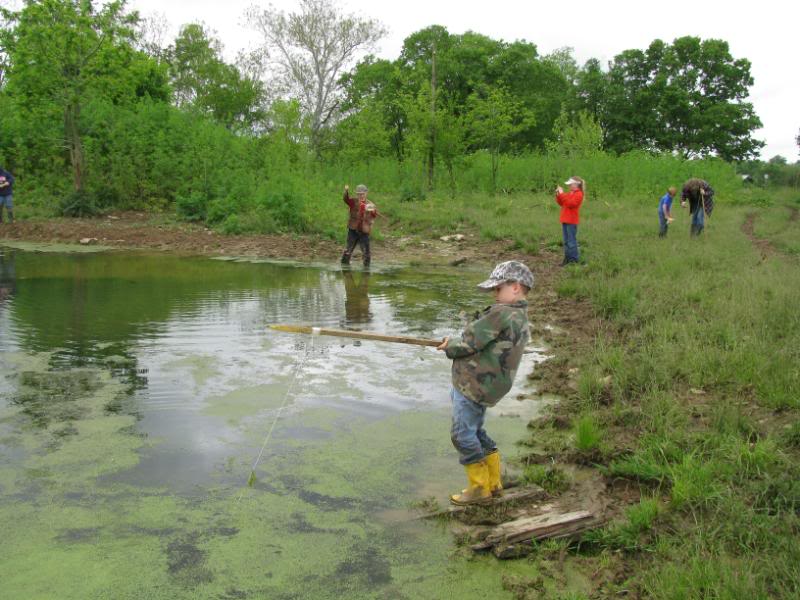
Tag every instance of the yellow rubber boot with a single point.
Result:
(495, 480)
(478, 490)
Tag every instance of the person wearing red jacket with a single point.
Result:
(570, 203)
(359, 225)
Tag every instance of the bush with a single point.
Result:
(191, 207)
(79, 204)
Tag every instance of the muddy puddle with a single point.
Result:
(136, 392)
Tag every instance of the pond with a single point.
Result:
(137, 392)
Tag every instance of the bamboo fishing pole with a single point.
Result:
(361, 335)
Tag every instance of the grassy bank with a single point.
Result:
(686, 397)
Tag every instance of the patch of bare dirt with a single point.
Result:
(141, 231)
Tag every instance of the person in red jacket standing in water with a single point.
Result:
(359, 225)
(570, 203)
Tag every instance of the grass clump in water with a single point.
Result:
(551, 478)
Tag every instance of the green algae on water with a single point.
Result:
(56, 248)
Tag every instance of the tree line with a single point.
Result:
(97, 111)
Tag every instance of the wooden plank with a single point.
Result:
(524, 547)
(525, 494)
(540, 527)
(361, 335)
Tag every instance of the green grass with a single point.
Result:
(695, 376)
(588, 434)
(552, 479)
(781, 226)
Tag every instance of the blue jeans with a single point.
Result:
(698, 219)
(663, 225)
(7, 201)
(570, 233)
(467, 432)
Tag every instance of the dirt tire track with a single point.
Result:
(764, 246)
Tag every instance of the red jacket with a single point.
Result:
(362, 214)
(570, 202)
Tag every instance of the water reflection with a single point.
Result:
(8, 275)
(356, 303)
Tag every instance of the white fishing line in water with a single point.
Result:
(309, 350)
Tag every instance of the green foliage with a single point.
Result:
(191, 207)
(203, 81)
(588, 434)
(551, 478)
(628, 535)
(576, 137)
(78, 204)
(689, 96)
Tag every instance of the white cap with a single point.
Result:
(571, 180)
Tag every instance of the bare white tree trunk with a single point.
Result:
(310, 49)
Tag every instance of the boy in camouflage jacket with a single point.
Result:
(485, 361)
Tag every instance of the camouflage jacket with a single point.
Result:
(486, 358)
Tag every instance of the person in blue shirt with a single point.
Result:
(665, 211)
(6, 190)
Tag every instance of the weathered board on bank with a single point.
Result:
(504, 538)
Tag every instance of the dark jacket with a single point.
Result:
(6, 190)
(692, 192)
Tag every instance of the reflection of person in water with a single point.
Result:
(8, 276)
(356, 302)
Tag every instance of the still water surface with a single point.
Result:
(136, 392)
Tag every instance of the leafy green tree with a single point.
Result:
(310, 49)
(494, 117)
(450, 142)
(379, 83)
(688, 97)
(590, 89)
(578, 136)
(363, 135)
(64, 55)
(564, 60)
(202, 80)
(464, 65)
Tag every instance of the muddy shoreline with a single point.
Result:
(131, 230)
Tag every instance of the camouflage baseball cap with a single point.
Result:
(511, 270)
(361, 189)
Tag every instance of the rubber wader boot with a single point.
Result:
(10, 216)
(478, 490)
(495, 481)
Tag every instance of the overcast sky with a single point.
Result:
(764, 32)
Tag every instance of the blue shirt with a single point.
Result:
(665, 204)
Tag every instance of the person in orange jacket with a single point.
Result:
(570, 203)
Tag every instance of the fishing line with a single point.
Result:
(298, 368)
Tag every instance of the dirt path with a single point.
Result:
(766, 247)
